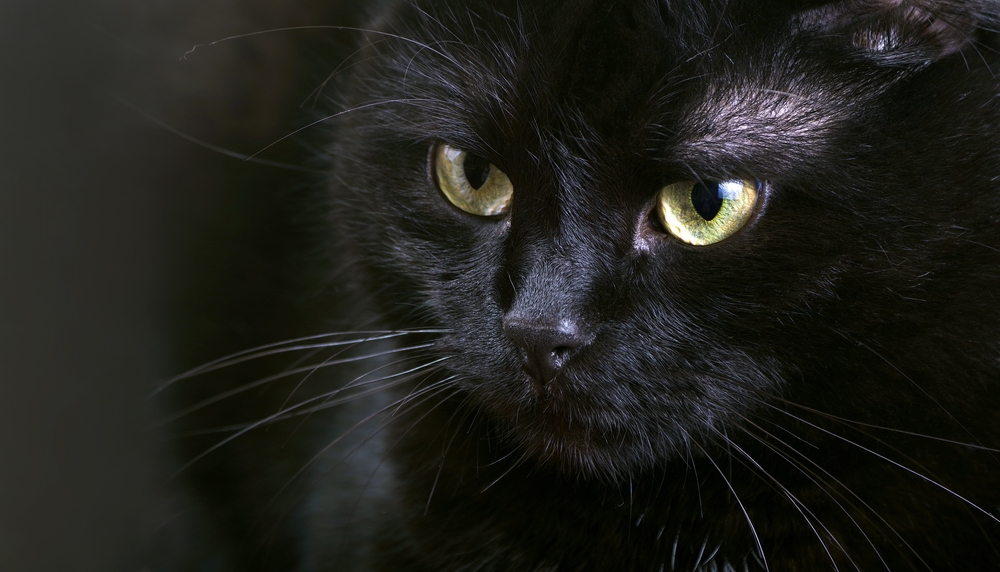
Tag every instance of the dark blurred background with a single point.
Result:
(104, 214)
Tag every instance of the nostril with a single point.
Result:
(562, 351)
(546, 345)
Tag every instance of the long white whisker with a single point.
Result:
(753, 529)
(388, 35)
(384, 458)
(334, 116)
(815, 478)
(848, 489)
(407, 401)
(915, 384)
(356, 382)
(410, 401)
(268, 419)
(427, 393)
(800, 507)
(513, 465)
(403, 377)
(889, 429)
(276, 348)
(447, 447)
(928, 475)
(290, 413)
(282, 375)
(318, 90)
(317, 367)
(897, 464)
(215, 148)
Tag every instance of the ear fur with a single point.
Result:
(906, 32)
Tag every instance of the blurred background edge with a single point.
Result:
(100, 208)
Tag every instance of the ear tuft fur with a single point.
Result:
(907, 32)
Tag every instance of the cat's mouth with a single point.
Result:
(605, 409)
(560, 425)
(556, 437)
(593, 419)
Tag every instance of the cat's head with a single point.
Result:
(646, 224)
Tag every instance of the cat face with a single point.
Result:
(647, 226)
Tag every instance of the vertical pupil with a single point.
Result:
(706, 200)
(477, 170)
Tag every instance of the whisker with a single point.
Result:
(282, 375)
(315, 94)
(800, 507)
(914, 383)
(292, 414)
(356, 382)
(306, 377)
(276, 348)
(287, 413)
(444, 451)
(371, 476)
(894, 463)
(329, 403)
(359, 107)
(514, 465)
(415, 392)
(388, 35)
(866, 505)
(753, 529)
(268, 419)
(815, 478)
(431, 391)
(221, 150)
(889, 429)
(701, 553)
(411, 403)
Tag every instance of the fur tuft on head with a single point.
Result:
(905, 32)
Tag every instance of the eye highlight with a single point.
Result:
(706, 212)
(470, 182)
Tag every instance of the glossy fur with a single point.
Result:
(817, 392)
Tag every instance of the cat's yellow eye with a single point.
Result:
(470, 182)
(706, 212)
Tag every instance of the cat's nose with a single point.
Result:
(547, 345)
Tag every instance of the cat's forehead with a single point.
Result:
(712, 81)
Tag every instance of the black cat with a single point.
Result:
(637, 285)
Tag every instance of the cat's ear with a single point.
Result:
(906, 32)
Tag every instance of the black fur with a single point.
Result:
(816, 392)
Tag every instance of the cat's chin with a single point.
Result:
(577, 458)
(572, 427)
(555, 436)
(574, 454)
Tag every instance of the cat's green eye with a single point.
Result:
(470, 182)
(706, 212)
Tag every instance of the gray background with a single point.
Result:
(97, 208)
